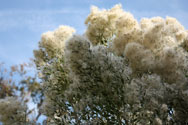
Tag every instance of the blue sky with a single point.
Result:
(23, 21)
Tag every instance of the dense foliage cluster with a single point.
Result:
(120, 71)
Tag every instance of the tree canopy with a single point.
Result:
(120, 71)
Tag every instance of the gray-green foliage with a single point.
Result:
(105, 90)
(138, 77)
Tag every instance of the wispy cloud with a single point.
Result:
(34, 20)
(20, 30)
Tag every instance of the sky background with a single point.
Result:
(23, 21)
